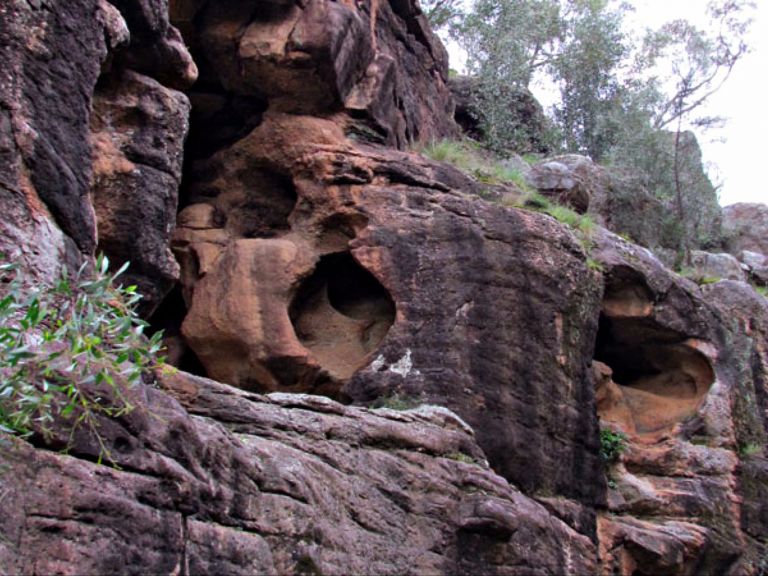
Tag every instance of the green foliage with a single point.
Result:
(704, 280)
(582, 223)
(593, 264)
(461, 457)
(612, 445)
(749, 449)
(395, 402)
(762, 290)
(69, 351)
(587, 69)
(623, 101)
(471, 159)
(440, 13)
(693, 274)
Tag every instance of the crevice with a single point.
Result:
(168, 318)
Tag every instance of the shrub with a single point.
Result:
(612, 445)
(69, 351)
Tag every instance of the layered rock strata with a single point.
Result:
(317, 255)
(235, 483)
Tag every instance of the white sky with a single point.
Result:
(734, 152)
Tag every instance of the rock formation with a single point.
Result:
(322, 268)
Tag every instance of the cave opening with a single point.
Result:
(341, 313)
(648, 377)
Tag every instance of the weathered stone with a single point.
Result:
(564, 184)
(156, 48)
(274, 485)
(716, 266)
(745, 227)
(685, 386)
(756, 265)
(52, 57)
(255, 321)
(381, 63)
(138, 129)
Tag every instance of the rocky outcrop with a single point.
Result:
(709, 266)
(316, 257)
(385, 281)
(45, 100)
(670, 379)
(525, 113)
(570, 184)
(138, 128)
(235, 483)
(744, 228)
(91, 167)
(377, 61)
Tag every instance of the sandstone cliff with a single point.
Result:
(302, 258)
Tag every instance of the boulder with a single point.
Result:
(756, 265)
(562, 184)
(525, 112)
(745, 227)
(716, 266)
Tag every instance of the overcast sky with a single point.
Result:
(742, 100)
(738, 160)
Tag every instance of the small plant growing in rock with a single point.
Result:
(395, 402)
(749, 449)
(69, 351)
(595, 265)
(461, 457)
(612, 445)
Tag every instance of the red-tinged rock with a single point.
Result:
(138, 129)
(242, 484)
(380, 62)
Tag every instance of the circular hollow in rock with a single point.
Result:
(648, 379)
(341, 313)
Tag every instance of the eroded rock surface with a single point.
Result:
(89, 167)
(744, 227)
(377, 60)
(316, 257)
(669, 380)
(434, 321)
(235, 483)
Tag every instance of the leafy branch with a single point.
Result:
(70, 351)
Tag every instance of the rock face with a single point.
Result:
(377, 60)
(677, 375)
(317, 256)
(89, 167)
(45, 99)
(138, 128)
(744, 228)
(358, 296)
(234, 483)
(526, 113)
